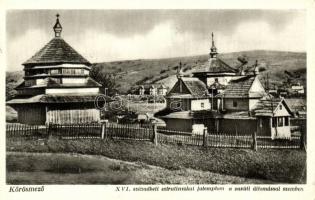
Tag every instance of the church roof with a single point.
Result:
(216, 65)
(51, 83)
(57, 51)
(58, 98)
(196, 88)
(238, 88)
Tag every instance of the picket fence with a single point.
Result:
(151, 133)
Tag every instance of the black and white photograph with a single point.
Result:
(156, 97)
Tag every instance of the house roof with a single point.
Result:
(57, 51)
(267, 106)
(239, 88)
(297, 104)
(162, 86)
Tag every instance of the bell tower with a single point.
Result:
(213, 49)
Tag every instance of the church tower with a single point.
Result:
(57, 87)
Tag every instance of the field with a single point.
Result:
(172, 162)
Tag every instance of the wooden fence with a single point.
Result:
(151, 133)
(228, 140)
(26, 131)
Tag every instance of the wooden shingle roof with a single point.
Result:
(219, 66)
(267, 106)
(216, 65)
(58, 98)
(195, 87)
(57, 51)
(51, 83)
(239, 88)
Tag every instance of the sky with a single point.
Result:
(109, 35)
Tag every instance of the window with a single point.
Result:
(30, 82)
(54, 71)
(202, 105)
(274, 122)
(286, 121)
(280, 107)
(234, 103)
(280, 121)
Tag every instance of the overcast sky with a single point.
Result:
(107, 35)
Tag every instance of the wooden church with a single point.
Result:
(225, 99)
(57, 87)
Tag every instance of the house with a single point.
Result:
(141, 90)
(162, 90)
(57, 87)
(273, 116)
(298, 88)
(152, 89)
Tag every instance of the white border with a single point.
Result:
(107, 192)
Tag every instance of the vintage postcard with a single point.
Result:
(183, 102)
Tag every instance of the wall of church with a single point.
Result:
(224, 80)
(252, 103)
(200, 104)
(184, 125)
(256, 88)
(178, 104)
(236, 104)
(72, 90)
(41, 81)
(32, 114)
(68, 116)
(74, 80)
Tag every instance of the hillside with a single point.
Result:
(12, 80)
(130, 73)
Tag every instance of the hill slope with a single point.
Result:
(136, 72)
(130, 73)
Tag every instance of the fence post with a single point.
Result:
(103, 122)
(303, 137)
(155, 135)
(48, 132)
(254, 141)
(204, 138)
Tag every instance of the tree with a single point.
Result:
(107, 80)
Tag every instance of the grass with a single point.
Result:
(64, 169)
(56, 168)
(281, 166)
